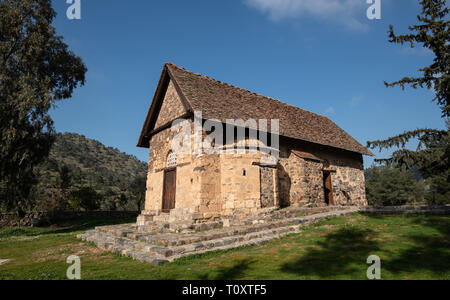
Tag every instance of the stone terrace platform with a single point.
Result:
(160, 243)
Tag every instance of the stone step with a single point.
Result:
(123, 247)
(229, 242)
(180, 239)
(167, 223)
(149, 252)
(274, 215)
(159, 248)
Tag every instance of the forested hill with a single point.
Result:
(114, 175)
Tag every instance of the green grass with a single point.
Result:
(301, 215)
(69, 228)
(410, 247)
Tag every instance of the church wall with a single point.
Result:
(171, 108)
(210, 186)
(301, 179)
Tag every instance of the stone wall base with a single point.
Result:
(185, 218)
(55, 217)
(408, 209)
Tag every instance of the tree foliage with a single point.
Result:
(433, 33)
(85, 198)
(387, 186)
(432, 153)
(108, 171)
(123, 201)
(36, 70)
(439, 192)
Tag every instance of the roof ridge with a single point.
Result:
(242, 89)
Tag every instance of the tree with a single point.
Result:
(123, 201)
(431, 156)
(55, 196)
(63, 183)
(139, 201)
(36, 70)
(434, 34)
(137, 187)
(64, 178)
(85, 198)
(387, 186)
(437, 170)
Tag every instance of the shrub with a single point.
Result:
(85, 198)
(389, 186)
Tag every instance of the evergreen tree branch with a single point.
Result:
(426, 139)
(433, 33)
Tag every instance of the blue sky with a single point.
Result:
(324, 56)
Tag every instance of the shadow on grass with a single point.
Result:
(233, 272)
(344, 252)
(340, 254)
(430, 252)
(70, 227)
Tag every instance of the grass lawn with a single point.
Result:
(410, 247)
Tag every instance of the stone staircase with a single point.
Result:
(159, 245)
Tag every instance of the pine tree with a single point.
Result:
(432, 154)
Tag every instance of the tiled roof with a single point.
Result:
(218, 100)
(307, 155)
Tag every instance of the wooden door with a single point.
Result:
(328, 188)
(170, 184)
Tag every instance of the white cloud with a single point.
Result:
(330, 111)
(348, 13)
(356, 100)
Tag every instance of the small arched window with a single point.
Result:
(171, 160)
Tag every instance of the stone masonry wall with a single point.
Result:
(171, 108)
(210, 186)
(301, 179)
(240, 190)
(267, 187)
(160, 147)
(207, 173)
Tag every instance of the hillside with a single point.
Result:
(91, 164)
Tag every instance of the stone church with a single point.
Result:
(318, 163)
